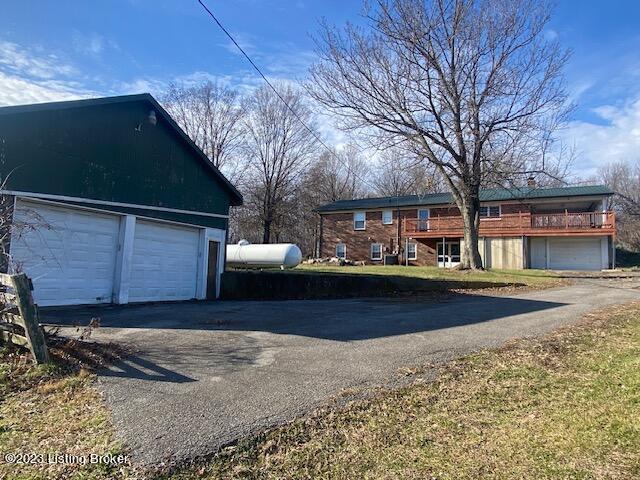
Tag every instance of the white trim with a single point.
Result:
(201, 275)
(604, 253)
(415, 251)
(365, 221)
(123, 260)
(371, 251)
(546, 253)
(387, 223)
(446, 256)
(345, 250)
(108, 212)
(213, 235)
(111, 204)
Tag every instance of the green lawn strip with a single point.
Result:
(566, 406)
(531, 278)
(55, 409)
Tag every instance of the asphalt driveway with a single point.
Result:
(205, 374)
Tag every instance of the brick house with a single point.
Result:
(564, 228)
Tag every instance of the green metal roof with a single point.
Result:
(487, 195)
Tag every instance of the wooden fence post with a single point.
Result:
(27, 309)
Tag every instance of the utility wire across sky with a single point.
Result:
(291, 109)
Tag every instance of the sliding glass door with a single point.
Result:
(449, 253)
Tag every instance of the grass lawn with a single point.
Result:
(530, 278)
(566, 406)
(54, 409)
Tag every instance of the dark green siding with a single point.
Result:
(200, 220)
(95, 152)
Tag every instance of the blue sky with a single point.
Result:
(74, 48)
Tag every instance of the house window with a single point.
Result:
(387, 217)
(376, 251)
(412, 251)
(341, 251)
(490, 211)
(359, 220)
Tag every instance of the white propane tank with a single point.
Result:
(245, 255)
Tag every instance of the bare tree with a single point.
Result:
(624, 179)
(211, 115)
(338, 175)
(464, 83)
(16, 224)
(333, 175)
(279, 148)
(398, 174)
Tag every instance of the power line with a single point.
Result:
(291, 109)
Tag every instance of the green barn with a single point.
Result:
(113, 203)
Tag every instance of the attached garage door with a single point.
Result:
(575, 254)
(164, 265)
(70, 254)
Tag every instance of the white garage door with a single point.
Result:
(164, 265)
(70, 254)
(575, 254)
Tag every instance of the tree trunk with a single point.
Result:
(266, 232)
(470, 254)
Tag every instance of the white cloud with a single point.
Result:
(16, 91)
(27, 62)
(246, 42)
(142, 85)
(616, 138)
(35, 76)
(88, 44)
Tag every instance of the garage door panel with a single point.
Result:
(69, 253)
(575, 253)
(164, 262)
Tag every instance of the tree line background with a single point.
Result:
(270, 151)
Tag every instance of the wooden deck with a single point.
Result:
(517, 224)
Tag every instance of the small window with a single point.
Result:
(490, 211)
(387, 217)
(359, 220)
(412, 251)
(341, 251)
(376, 251)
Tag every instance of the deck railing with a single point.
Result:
(581, 223)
